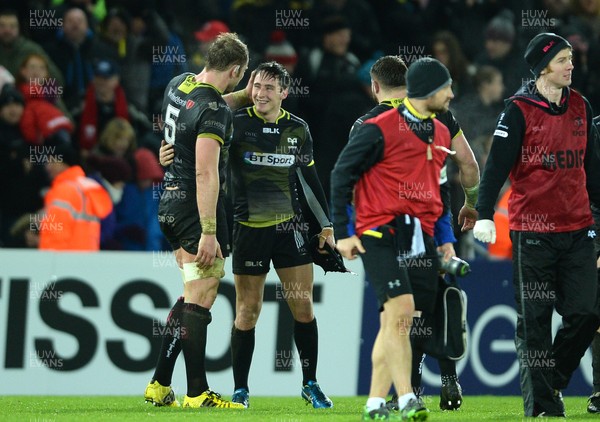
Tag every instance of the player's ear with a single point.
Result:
(284, 93)
(375, 86)
(236, 70)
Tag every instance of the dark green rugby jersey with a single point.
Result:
(190, 110)
(263, 161)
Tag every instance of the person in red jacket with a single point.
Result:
(73, 207)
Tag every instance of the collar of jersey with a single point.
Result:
(282, 114)
(205, 84)
(393, 102)
(414, 112)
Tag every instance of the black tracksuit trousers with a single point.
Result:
(553, 271)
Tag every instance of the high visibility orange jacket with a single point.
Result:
(73, 208)
(502, 249)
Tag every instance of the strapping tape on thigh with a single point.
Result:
(191, 271)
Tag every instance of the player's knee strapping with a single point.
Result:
(191, 271)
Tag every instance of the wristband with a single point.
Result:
(471, 195)
(209, 225)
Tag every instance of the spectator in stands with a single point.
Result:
(34, 82)
(446, 48)
(14, 47)
(138, 210)
(132, 54)
(112, 173)
(24, 233)
(502, 52)
(479, 111)
(366, 33)
(169, 59)
(137, 226)
(73, 207)
(22, 179)
(330, 72)
(204, 37)
(104, 100)
(74, 50)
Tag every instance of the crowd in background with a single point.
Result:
(91, 75)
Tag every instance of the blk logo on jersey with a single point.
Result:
(271, 130)
(266, 159)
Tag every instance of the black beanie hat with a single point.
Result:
(541, 50)
(425, 77)
(10, 94)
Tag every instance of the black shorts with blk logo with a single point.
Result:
(255, 247)
(180, 223)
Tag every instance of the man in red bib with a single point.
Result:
(544, 141)
(392, 165)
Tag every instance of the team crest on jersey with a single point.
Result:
(213, 105)
(189, 104)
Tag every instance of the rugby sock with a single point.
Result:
(194, 323)
(306, 337)
(374, 403)
(403, 400)
(242, 348)
(447, 371)
(171, 345)
(596, 362)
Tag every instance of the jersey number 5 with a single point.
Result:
(170, 125)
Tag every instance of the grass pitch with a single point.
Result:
(275, 409)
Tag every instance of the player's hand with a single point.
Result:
(166, 153)
(598, 263)
(350, 247)
(249, 85)
(447, 251)
(326, 235)
(485, 231)
(208, 249)
(467, 217)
